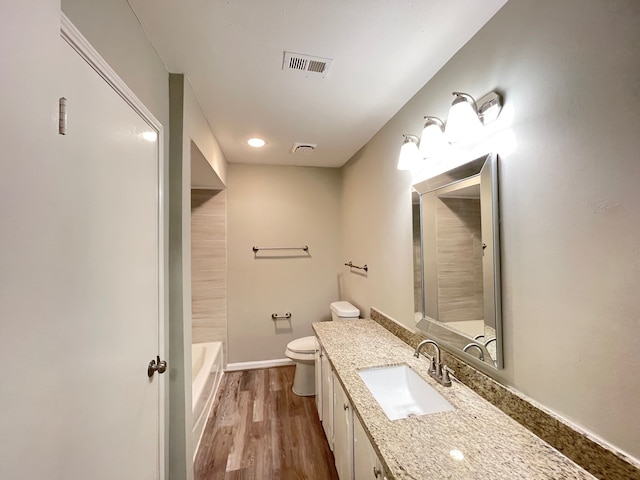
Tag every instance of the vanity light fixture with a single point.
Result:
(432, 141)
(490, 107)
(256, 142)
(466, 116)
(409, 153)
(463, 121)
(466, 120)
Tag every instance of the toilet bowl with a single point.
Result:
(302, 351)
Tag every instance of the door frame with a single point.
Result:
(81, 45)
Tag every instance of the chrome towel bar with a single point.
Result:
(351, 265)
(305, 248)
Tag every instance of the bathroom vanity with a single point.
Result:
(472, 440)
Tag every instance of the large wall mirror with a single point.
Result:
(457, 260)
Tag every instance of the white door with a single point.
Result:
(110, 159)
(81, 292)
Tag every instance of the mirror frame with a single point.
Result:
(485, 171)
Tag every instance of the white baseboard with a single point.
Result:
(278, 362)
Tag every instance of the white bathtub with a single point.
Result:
(206, 373)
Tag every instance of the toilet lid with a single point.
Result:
(303, 345)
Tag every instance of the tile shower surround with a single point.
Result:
(459, 260)
(577, 445)
(209, 267)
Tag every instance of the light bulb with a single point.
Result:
(463, 122)
(409, 154)
(432, 141)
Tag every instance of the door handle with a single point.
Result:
(159, 366)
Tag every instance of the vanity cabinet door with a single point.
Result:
(366, 465)
(318, 365)
(327, 398)
(342, 433)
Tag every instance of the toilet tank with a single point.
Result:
(343, 311)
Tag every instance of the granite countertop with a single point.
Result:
(493, 444)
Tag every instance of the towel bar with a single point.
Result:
(305, 248)
(351, 265)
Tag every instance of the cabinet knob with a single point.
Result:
(345, 406)
(376, 472)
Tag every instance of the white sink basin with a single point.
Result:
(403, 393)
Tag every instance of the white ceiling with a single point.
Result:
(383, 52)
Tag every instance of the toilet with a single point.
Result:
(302, 351)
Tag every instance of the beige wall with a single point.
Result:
(30, 303)
(180, 287)
(376, 227)
(197, 131)
(209, 266)
(271, 206)
(188, 129)
(568, 193)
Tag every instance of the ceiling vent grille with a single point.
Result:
(299, 148)
(307, 64)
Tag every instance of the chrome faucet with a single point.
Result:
(432, 364)
(480, 352)
(436, 370)
(422, 344)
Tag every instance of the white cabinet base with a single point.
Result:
(366, 465)
(327, 399)
(342, 433)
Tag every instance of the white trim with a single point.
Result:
(278, 362)
(81, 45)
(76, 40)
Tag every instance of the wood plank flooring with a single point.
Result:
(259, 429)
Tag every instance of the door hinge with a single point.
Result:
(62, 116)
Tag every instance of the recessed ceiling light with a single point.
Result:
(256, 142)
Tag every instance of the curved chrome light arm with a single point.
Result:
(464, 97)
(429, 120)
(410, 138)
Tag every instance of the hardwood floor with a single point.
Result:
(259, 429)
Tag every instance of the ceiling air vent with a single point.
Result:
(307, 64)
(303, 148)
